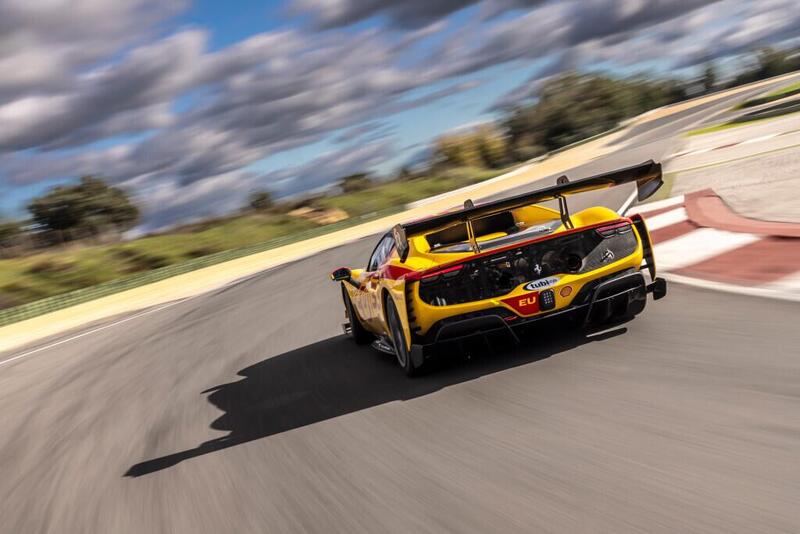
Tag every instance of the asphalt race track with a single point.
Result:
(245, 410)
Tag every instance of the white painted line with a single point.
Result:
(678, 215)
(657, 205)
(698, 246)
(760, 291)
(788, 284)
(693, 152)
(759, 139)
(92, 331)
(721, 162)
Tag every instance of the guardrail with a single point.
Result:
(79, 296)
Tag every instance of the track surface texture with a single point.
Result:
(245, 410)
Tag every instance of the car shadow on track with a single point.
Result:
(335, 377)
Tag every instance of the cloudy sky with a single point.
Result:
(190, 105)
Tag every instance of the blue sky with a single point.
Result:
(191, 105)
(232, 23)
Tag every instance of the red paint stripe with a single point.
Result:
(444, 271)
(729, 145)
(706, 209)
(393, 272)
(764, 261)
(672, 231)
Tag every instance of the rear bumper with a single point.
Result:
(619, 296)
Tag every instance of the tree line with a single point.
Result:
(572, 107)
(568, 108)
(89, 209)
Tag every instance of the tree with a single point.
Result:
(10, 233)
(573, 106)
(458, 150)
(767, 62)
(404, 174)
(261, 200)
(492, 146)
(87, 209)
(709, 77)
(523, 152)
(772, 62)
(355, 182)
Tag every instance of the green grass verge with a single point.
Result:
(736, 123)
(398, 193)
(62, 270)
(778, 94)
(63, 277)
(59, 301)
(714, 128)
(785, 91)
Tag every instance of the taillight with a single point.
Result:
(450, 272)
(614, 229)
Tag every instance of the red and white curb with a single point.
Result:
(697, 243)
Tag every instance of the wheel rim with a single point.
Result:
(397, 335)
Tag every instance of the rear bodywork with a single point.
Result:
(505, 264)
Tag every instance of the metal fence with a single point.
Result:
(79, 296)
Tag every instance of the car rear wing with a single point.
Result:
(647, 176)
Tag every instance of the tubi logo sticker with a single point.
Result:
(542, 283)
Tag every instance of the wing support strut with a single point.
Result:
(563, 208)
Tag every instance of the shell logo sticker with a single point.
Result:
(542, 283)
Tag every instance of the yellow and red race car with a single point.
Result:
(494, 267)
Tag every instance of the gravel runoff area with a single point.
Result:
(760, 187)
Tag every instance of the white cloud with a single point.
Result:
(67, 83)
(43, 43)
(151, 75)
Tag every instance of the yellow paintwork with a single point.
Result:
(428, 315)
(368, 299)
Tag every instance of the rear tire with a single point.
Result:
(399, 340)
(360, 335)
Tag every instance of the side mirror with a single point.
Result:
(341, 274)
